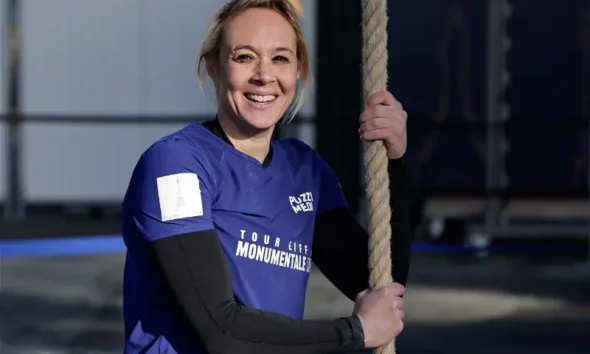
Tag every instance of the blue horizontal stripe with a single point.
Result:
(67, 246)
(112, 244)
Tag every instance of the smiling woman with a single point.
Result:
(260, 74)
(222, 222)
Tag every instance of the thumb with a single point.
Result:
(362, 293)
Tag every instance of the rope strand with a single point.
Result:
(375, 158)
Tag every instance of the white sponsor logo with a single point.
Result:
(179, 196)
(302, 202)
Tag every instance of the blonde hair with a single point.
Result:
(211, 46)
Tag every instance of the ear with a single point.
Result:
(211, 66)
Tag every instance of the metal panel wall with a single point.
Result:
(437, 70)
(340, 92)
(88, 58)
(3, 93)
(305, 127)
(79, 58)
(310, 31)
(550, 75)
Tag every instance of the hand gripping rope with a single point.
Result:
(375, 158)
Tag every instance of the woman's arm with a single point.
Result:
(340, 246)
(190, 256)
(196, 270)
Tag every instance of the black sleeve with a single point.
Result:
(340, 245)
(197, 271)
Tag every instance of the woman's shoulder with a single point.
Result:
(302, 153)
(193, 142)
(190, 150)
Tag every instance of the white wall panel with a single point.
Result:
(80, 57)
(3, 162)
(110, 57)
(309, 29)
(171, 34)
(78, 163)
(3, 93)
(3, 58)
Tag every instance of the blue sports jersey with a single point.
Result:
(264, 215)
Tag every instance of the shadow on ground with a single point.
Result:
(543, 276)
(72, 305)
(35, 322)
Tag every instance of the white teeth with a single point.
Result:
(259, 98)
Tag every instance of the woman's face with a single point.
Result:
(257, 71)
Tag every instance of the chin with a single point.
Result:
(261, 121)
(262, 116)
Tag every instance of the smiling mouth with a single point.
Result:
(261, 99)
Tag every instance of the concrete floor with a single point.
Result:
(72, 305)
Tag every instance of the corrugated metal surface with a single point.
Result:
(438, 68)
(3, 92)
(3, 169)
(80, 58)
(113, 58)
(548, 149)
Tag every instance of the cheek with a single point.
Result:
(289, 81)
(235, 79)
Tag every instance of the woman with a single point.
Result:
(222, 222)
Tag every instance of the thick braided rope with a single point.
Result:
(375, 158)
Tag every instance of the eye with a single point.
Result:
(242, 58)
(281, 59)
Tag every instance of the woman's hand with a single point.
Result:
(381, 311)
(385, 119)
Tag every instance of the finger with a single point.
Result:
(377, 134)
(401, 326)
(397, 288)
(386, 289)
(376, 111)
(392, 135)
(390, 131)
(379, 123)
(383, 112)
(392, 291)
(403, 114)
(362, 293)
(399, 303)
(382, 97)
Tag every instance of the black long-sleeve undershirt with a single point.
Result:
(340, 244)
(202, 283)
(196, 269)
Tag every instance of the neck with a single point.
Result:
(252, 142)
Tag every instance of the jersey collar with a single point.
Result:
(215, 128)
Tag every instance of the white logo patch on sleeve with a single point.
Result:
(180, 196)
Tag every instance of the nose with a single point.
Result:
(264, 73)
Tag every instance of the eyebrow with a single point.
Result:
(278, 49)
